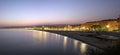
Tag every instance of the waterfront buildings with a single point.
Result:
(102, 25)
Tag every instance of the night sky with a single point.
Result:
(34, 12)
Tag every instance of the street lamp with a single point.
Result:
(107, 26)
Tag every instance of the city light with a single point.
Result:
(107, 26)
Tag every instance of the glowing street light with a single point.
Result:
(107, 26)
(83, 27)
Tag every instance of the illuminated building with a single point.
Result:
(103, 25)
(88, 25)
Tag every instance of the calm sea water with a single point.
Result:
(31, 42)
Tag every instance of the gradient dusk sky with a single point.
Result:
(33, 12)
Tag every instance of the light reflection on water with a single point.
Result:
(40, 36)
(65, 42)
(43, 36)
(83, 48)
(42, 42)
(75, 44)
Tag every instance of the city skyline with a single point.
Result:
(40, 12)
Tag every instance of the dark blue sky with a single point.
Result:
(30, 12)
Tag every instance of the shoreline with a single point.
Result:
(88, 40)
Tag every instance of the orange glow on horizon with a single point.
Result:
(23, 23)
